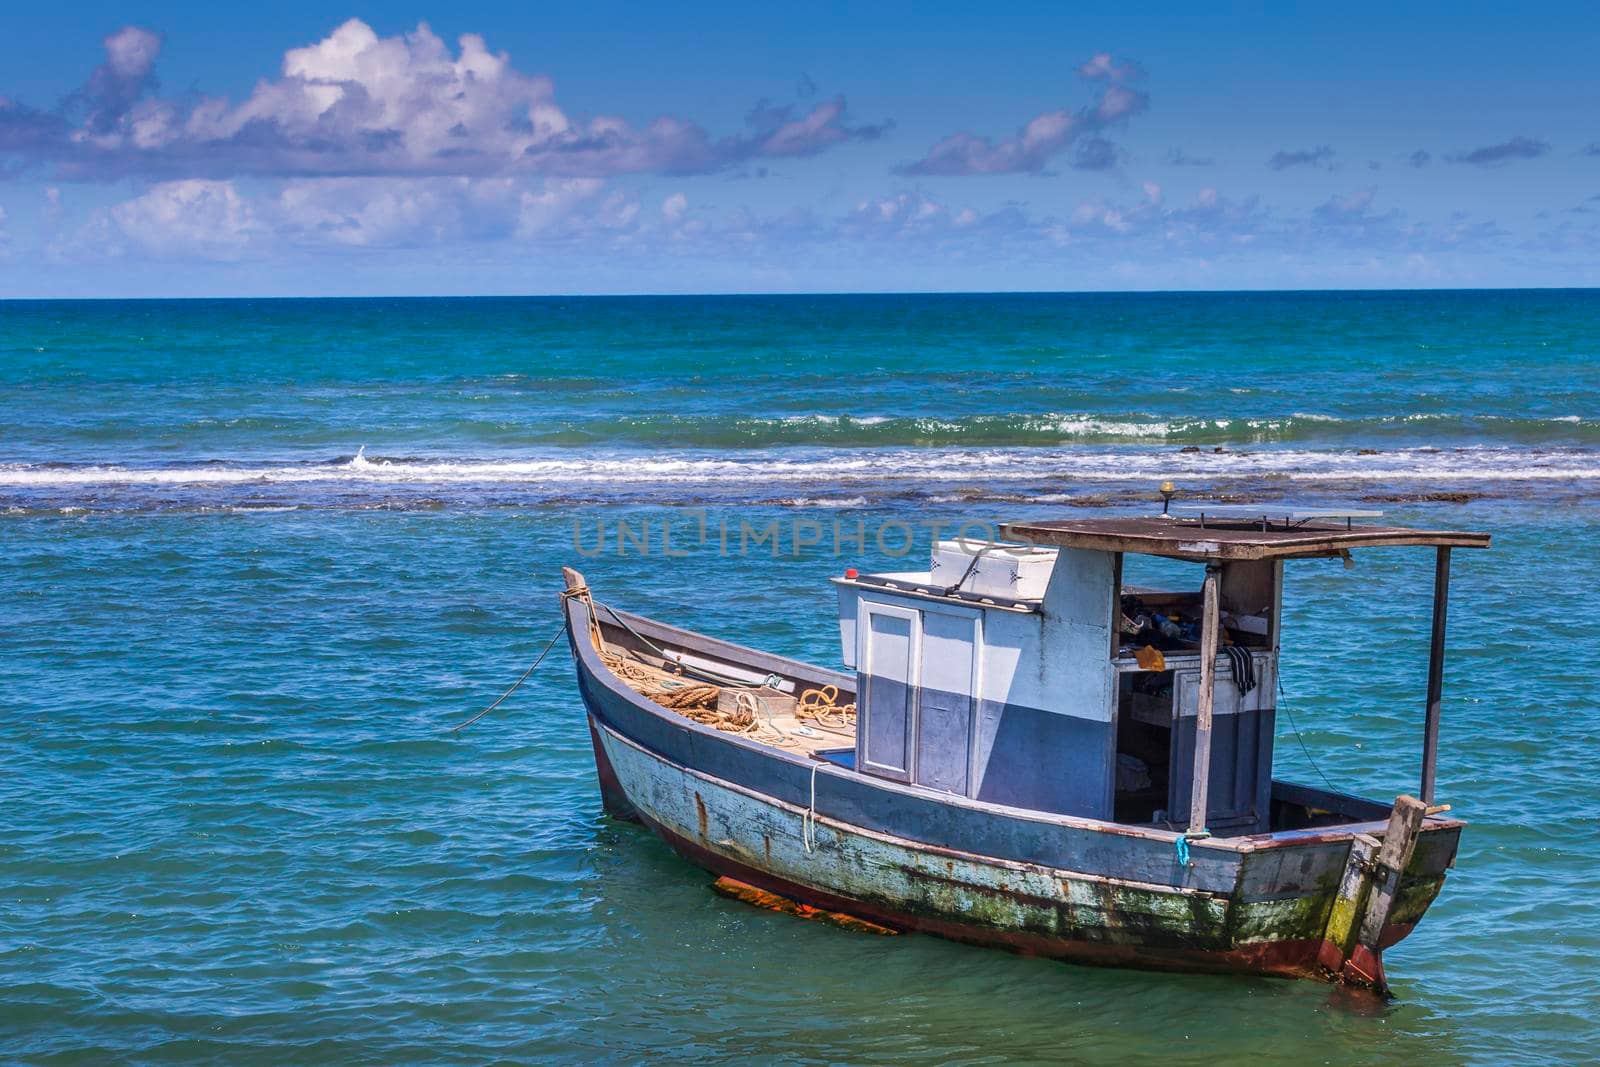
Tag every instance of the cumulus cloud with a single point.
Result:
(211, 219)
(117, 85)
(196, 218)
(1504, 152)
(418, 212)
(1420, 158)
(1048, 135)
(355, 103)
(1321, 156)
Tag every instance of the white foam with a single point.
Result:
(825, 501)
(845, 467)
(1080, 427)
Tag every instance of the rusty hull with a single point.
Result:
(1272, 923)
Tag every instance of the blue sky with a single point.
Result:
(167, 149)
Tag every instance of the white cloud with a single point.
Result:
(393, 212)
(573, 207)
(114, 89)
(216, 220)
(190, 218)
(576, 217)
(357, 104)
(1046, 135)
(410, 212)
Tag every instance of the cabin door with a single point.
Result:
(945, 713)
(919, 680)
(887, 663)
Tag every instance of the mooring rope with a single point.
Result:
(517, 684)
(1307, 752)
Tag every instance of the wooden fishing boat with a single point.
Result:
(1024, 752)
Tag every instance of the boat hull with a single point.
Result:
(905, 885)
(913, 859)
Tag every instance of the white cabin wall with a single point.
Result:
(1042, 735)
(1080, 607)
(1045, 737)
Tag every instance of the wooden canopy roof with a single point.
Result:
(1229, 538)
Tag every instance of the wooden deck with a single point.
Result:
(808, 736)
(779, 718)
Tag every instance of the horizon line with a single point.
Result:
(755, 294)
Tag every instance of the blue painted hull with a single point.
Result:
(913, 858)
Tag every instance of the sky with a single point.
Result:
(160, 149)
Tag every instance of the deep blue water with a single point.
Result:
(260, 555)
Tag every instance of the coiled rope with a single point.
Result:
(822, 707)
(750, 713)
(700, 701)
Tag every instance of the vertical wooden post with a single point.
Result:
(1364, 965)
(1208, 688)
(1430, 737)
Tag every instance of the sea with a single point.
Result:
(258, 557)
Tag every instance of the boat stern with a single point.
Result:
(1332, 900)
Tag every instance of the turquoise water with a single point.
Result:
(260, 555)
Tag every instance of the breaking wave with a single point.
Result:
(840, 469)
(1024, 430)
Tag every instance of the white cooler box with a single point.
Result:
(1015, 572)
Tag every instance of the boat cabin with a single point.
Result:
(1031, 675)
